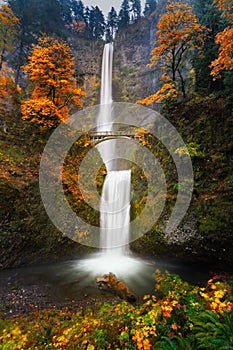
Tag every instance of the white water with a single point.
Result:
(106, 75)
(115, 199)
(115, 210)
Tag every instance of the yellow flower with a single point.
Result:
(214, 305)
(219, 294)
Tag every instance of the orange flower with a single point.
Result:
(174, 326)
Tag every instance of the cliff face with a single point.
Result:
(132, 78)
(88, 59)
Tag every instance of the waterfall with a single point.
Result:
(115, 198)
(106, 75)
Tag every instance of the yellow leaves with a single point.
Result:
(166, 309)
(14, 337)
(142, 343)
(146, 297)
(90, 347)
(215, 295)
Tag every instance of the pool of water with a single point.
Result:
(77, 278)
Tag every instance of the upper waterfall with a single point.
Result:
(106, 75)
(105, 117)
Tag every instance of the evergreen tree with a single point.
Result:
(108, 37)
(66, 9)
(135, 9)
(150, 6)
(27, 13)
(50, 17)
(209, 15)
(78, 10)
(87, 13)
(124, 17)
(96, 22)
(112, 25)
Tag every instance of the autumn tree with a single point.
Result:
(54, 90)
(10, 95)
(8, 31)
(224, 39)
(177, 35)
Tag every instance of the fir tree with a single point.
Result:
(97, 22)
(124, 17)
(209, 15)
(66, 10)
(50, 17)
(27, 13)
(135, 9)
(78, 10)
(112, 25)
(150, 6)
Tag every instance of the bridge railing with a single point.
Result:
(98, 135)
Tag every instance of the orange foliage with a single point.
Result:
(8, 30)
(79, 26)
(178, 32)
(227, 7)
(9, 92)
(166, 92)
(224, 39)
(50, 70)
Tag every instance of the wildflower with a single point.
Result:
(174, 326)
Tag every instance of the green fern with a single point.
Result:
(214, 331)
(176, 343)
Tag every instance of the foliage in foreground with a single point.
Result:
(181, 316)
